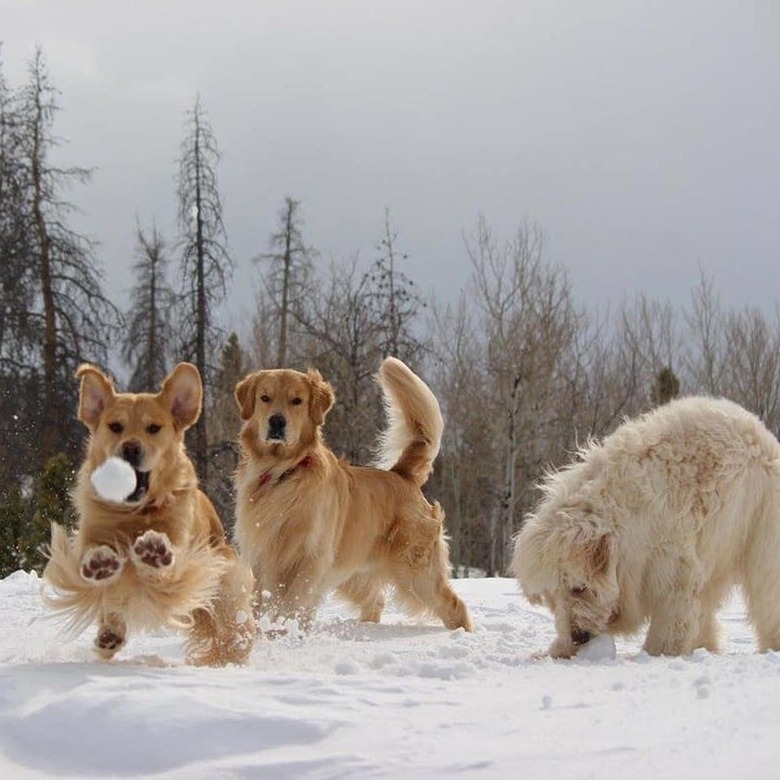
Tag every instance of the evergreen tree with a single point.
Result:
(15, 512)
(52, 505)
(666, 387)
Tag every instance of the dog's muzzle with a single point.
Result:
(277, 428)
(133, 453)
(141, 485)
(580, 637)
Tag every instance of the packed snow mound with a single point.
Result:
(600, 648)
(114, 480)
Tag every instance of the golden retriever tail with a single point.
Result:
(411, 441)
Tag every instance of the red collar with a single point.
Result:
(267, 476)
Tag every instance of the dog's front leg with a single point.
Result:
(101, 565)
(152, 552)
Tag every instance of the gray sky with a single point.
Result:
(643, 137)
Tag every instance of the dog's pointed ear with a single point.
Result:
(96, 391)
(245, 396)
(321, 398)
(182, 393)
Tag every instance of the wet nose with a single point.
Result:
(276, 426)
(132, 452)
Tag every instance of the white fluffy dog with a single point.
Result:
(658, 523)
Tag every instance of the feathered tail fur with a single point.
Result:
(411, 441)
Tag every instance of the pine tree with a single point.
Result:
(666, 387)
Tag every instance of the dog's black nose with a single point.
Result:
(276, 426)
(132, 453)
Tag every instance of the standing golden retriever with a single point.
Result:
(310, 523)
(658, 523)
(159, 555)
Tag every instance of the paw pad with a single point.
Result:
(153, 550)
(101, 564)
(108, 639)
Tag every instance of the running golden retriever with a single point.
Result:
(157, 556)
(657, 524)
(309, 523)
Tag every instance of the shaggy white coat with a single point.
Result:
(657, 523)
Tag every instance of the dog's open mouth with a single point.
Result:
(141, 486)
(580, 637)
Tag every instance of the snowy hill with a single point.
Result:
(397, 700)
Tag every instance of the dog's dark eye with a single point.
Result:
(265, 399)
(116, 427)
(296, 401)
(153, 428)
(579, 590)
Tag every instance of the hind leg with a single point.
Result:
(224, 633)
(367, 593)
(421, 569)
(762, 594)
(111, 635)
(710, 634)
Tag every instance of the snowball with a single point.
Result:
(600, 648)
(114, 480)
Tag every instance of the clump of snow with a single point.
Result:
(600, 648)
(114, 480)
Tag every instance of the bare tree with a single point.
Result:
(72, 315)
(343, 340)
(528, 323)
(463, 471)
(707, 341)
(205, 263)
(395, 298)
(288, 278)
(752, 364)
(17, 339)
(149, 335)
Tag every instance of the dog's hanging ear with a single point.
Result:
(96, 391)
(182, 393)
(245, 396)
(322, 397)
(602, 553)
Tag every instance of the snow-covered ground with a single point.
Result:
(397, 700)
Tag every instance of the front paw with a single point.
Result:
(101, 565)
(153, 550)
(562, 648)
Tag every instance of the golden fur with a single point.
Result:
(657, 524)
(160, 557)
(310, 523)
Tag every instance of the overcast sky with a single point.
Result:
(643, 137)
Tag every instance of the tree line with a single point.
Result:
(525, 373)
